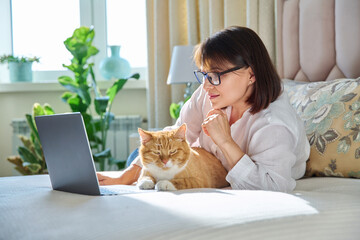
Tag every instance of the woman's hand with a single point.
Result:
(216, 126)
(128, 177)
(105, 180)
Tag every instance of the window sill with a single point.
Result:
(55, 86)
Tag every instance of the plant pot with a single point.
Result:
(20, 71)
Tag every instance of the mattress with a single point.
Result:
(319, 208)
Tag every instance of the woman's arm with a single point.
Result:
(128, 177)
(268, 162)
(217, 127)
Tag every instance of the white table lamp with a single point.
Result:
(182, 68)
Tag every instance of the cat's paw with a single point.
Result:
(165, 185)
(146, 184)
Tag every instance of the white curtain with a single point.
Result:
(188, 22)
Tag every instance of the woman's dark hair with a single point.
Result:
(242, 47)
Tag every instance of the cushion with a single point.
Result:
(331, 114)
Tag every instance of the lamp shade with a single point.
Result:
(182, 65)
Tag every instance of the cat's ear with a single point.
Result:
(144, 136)
(180, 133)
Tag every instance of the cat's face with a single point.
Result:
(164, 149)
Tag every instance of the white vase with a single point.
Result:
(115, 66)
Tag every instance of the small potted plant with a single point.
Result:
(31, 158)
(19, 67)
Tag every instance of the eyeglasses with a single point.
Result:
(212, 77)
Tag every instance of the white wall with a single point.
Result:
(17, 104)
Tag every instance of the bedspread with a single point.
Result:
(319, 208)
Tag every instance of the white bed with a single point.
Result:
(319, 207)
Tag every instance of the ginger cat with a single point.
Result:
(169, 163)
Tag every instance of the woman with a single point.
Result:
(241, 115)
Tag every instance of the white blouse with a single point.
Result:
(273, 140)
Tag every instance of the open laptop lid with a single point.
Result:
(67, 153)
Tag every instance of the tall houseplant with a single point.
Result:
(31, 158)
(79, 98)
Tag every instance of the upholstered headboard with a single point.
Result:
(318, 40)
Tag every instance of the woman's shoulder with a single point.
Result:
(280, 112)
(199, 93)
(200, 99)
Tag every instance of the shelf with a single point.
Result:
(55, 86)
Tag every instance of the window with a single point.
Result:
(39, 28)
(132, 37)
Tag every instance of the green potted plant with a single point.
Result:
(79, 97)
(31, 158)
(20, 67)
(175, 108)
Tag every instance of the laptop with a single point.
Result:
(68, 156)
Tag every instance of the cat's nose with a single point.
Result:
(165, 161)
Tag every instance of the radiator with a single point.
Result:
(119, 139)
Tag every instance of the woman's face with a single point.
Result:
(234, 90)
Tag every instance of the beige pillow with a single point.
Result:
(331, 114)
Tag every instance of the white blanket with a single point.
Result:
(319, 208)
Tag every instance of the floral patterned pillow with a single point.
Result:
(331, 113)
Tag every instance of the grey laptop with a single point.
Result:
(68, 155)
